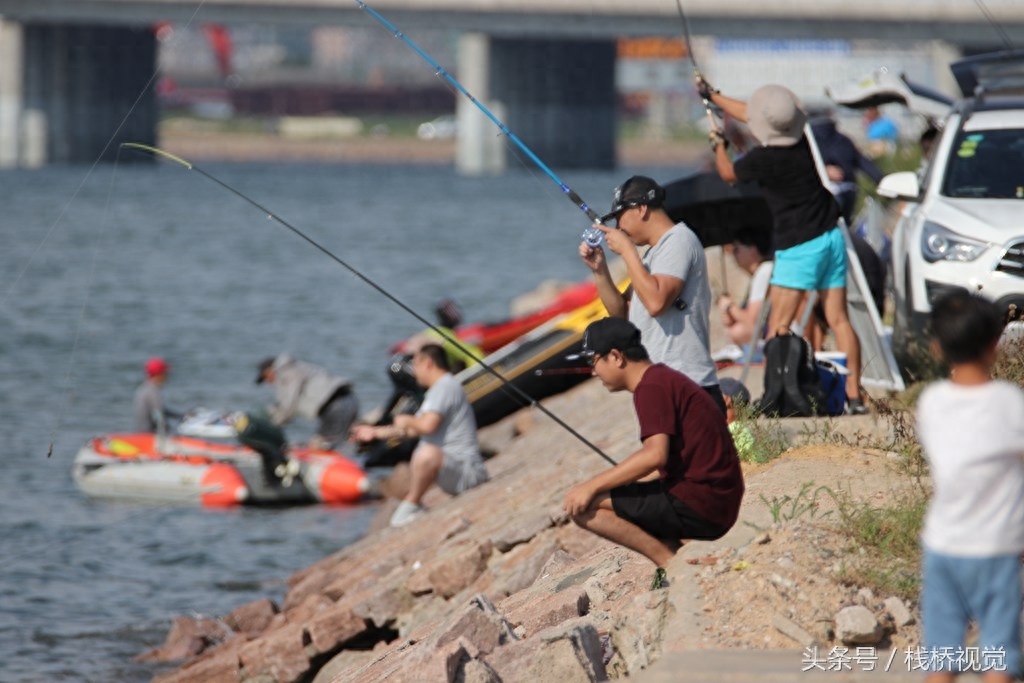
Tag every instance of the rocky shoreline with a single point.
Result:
(496, 584)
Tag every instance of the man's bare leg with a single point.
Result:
(601, 519)
(424, 466)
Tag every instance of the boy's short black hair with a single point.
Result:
(759, 238)
(436, 353)
(966, 326)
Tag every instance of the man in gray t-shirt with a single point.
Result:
(669, 298)
(447, 452)
(148, 405)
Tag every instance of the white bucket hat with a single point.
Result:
(775, 116)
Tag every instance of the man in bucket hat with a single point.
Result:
(686, 443)
(669, 297)
(810, 251)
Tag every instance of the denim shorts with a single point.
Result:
(817, 264)
(985, 589)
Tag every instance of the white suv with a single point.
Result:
(962, 223)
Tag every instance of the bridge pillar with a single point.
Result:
(11, 64)
(560, 97)
(85, 89)
(480, 148)
(556, 96)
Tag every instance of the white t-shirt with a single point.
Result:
(759, 282)
(973, 439)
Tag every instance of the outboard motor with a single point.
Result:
(406, 396)
(264, 437)
(403, 386)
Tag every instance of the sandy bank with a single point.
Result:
(199, 146)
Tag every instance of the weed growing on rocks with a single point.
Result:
(889, 536)
(769, 440)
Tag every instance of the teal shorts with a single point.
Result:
(817, 264)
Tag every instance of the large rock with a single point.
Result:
(547, 610)
(342, 663)
(312, 605)
(519, 568)
(479, 624)
(636, 632)
(856, 625)
(252, 617)
(280, 655)
(454, 569)
(564, 655)
(330, 629)
(520, 529)
(217, 666)
(188, 637)
(382, 605)
(901, 616)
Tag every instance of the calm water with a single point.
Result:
(155, 260)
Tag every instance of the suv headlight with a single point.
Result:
(941, 244)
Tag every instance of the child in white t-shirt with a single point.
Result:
(972, 431)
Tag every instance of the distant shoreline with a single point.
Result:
(251, 147)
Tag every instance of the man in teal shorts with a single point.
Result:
(810, 252)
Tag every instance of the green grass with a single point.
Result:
(889, 535)
(769, 439)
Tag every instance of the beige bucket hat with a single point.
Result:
(775, 116)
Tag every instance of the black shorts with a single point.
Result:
(648, 505)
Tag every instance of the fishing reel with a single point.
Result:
(592, 236)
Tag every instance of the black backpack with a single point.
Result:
(792, 387)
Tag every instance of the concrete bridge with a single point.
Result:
(70, 70)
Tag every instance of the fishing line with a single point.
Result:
(995, 24)
(519, 393)
(693, 61)
(568, 191)
(69, 375)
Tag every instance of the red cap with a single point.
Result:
(156, 366)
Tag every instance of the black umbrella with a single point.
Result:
(715, 209)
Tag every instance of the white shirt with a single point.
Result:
(973, 439)
(759, 282)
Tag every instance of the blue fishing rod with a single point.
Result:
(507, 385)
(591, 235)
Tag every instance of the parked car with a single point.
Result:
(961, 223)
(441, 128)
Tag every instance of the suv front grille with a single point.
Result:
(1012, 261)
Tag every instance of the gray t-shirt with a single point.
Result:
(148, 408)
(456, 435)
(679, 338)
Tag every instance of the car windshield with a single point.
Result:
(986, 164)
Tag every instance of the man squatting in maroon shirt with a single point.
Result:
(698, 486)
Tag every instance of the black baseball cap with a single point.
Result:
(637, 191)
(601, 336)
